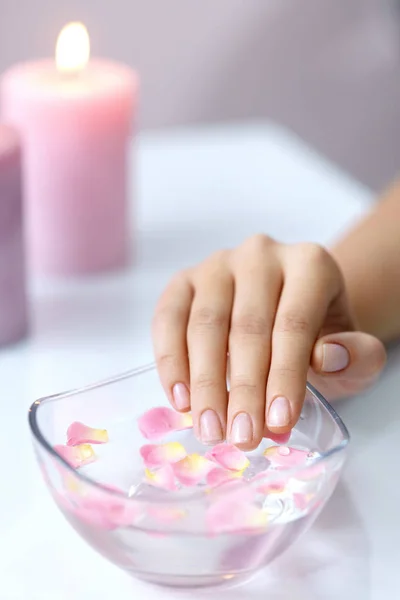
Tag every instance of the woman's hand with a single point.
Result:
(281, 312)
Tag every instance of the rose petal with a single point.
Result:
(302, 501)
(232, 515)
(166, 514)
(283, 457)
(78, 433)
(217, 476)
(76, 456)
(161, 478)
(192, 469)
(157, 422)
(266, 486)
(95, 507)
(157, 456)
(229, 457)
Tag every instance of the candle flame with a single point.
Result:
(73, 48)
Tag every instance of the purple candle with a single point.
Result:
(13, 299)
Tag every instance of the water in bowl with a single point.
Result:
(185, 555)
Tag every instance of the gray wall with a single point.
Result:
(329, 69)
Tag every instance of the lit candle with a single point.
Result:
(75, 118)
(13, 301)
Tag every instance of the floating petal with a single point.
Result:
(162, 478)
(283, 457)
(78, 433)
(266, 485)
(76, 456)
(229, 457)
(302, 501)
(158, 422)
(192, 469)
(157, 456)
(108, 513)
(94, 507)
(217, 476)
(231, 515)
(166, 514)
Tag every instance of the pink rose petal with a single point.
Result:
(94, 507)
(217, 476)
(157, 456)
(158, 422)
(162, 478)
(231, 515)
(229, 457)
(192, 469)
(271, 488)
(283, 457)
(235, 490)
(78, 433)
(110, 513)
(302, 501)
(76, 456)
(266, 486)
(166, 514)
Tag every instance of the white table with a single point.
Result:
(198, 190)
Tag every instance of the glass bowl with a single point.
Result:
(201, 535)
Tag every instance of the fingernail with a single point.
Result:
(181, 396)
(334, 358)
(242, 429)
(279, 413)
(210, 427)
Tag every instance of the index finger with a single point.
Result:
(169, 341)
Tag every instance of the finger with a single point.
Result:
(311, 285)
(208, 345)
(257, 290)
(169, 341)
(346, 363)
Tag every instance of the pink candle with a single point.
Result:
(75, 119)
(13, 301)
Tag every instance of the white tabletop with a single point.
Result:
(198, 190)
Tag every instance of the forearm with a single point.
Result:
(370, 260)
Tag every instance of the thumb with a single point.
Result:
(345, 363)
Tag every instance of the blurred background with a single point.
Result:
(327, 69)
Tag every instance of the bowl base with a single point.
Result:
(196, 582)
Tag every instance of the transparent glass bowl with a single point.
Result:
(162, 536)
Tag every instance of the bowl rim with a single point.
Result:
(169, 498)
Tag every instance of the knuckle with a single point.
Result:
(283, 372)
(292, 322)
(243, 386)
(257, 243)
(208, 318)
(219, 256)
(205, 381)
(313, 253)
(214, 265)
(250, 325)
(168, 362)
(166, 313)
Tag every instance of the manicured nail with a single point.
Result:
(334, 358)
(181, 396)
(210, 427)
(242, 429)
(279, 413)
